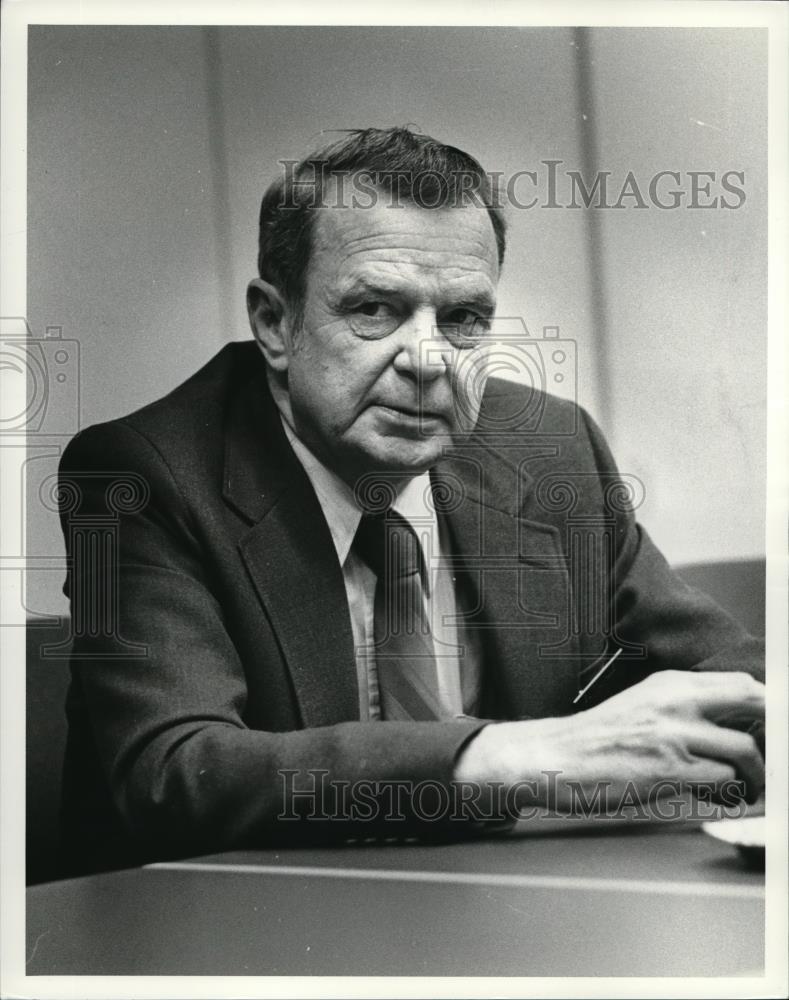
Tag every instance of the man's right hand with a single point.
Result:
(666, 728)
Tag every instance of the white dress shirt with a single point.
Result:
(457, 652)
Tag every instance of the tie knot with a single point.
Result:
(389, 545)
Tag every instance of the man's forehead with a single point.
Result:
(464, 232)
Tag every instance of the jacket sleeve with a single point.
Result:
(164, 690)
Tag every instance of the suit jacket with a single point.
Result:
(213, 665)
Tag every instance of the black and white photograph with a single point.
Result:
(393, 435)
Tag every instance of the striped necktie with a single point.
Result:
(404, 654)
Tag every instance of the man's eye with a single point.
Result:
(464, 328)
(372, 309)
(373, 318)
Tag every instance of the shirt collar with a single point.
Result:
(414, 501)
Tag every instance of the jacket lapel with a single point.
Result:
(516, 576)
(290, 557)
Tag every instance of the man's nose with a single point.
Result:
(423, 350)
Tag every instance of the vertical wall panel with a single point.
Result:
(122, 248)
(687, 287)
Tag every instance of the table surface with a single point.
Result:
(649, 901)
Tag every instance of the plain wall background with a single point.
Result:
(149, 149)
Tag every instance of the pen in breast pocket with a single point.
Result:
(596, 677)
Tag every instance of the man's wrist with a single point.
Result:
(474, 762)
(510, 763)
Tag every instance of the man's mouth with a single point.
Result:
(412, 413)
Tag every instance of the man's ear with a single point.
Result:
(268, 318)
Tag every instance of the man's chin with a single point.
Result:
(399, 461)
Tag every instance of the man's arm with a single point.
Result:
(676, 714)
(185, 770)
(662, 729)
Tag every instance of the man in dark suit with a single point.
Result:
(307, 582)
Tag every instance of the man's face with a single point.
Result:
(365, 395)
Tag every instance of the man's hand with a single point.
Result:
(670, 727)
